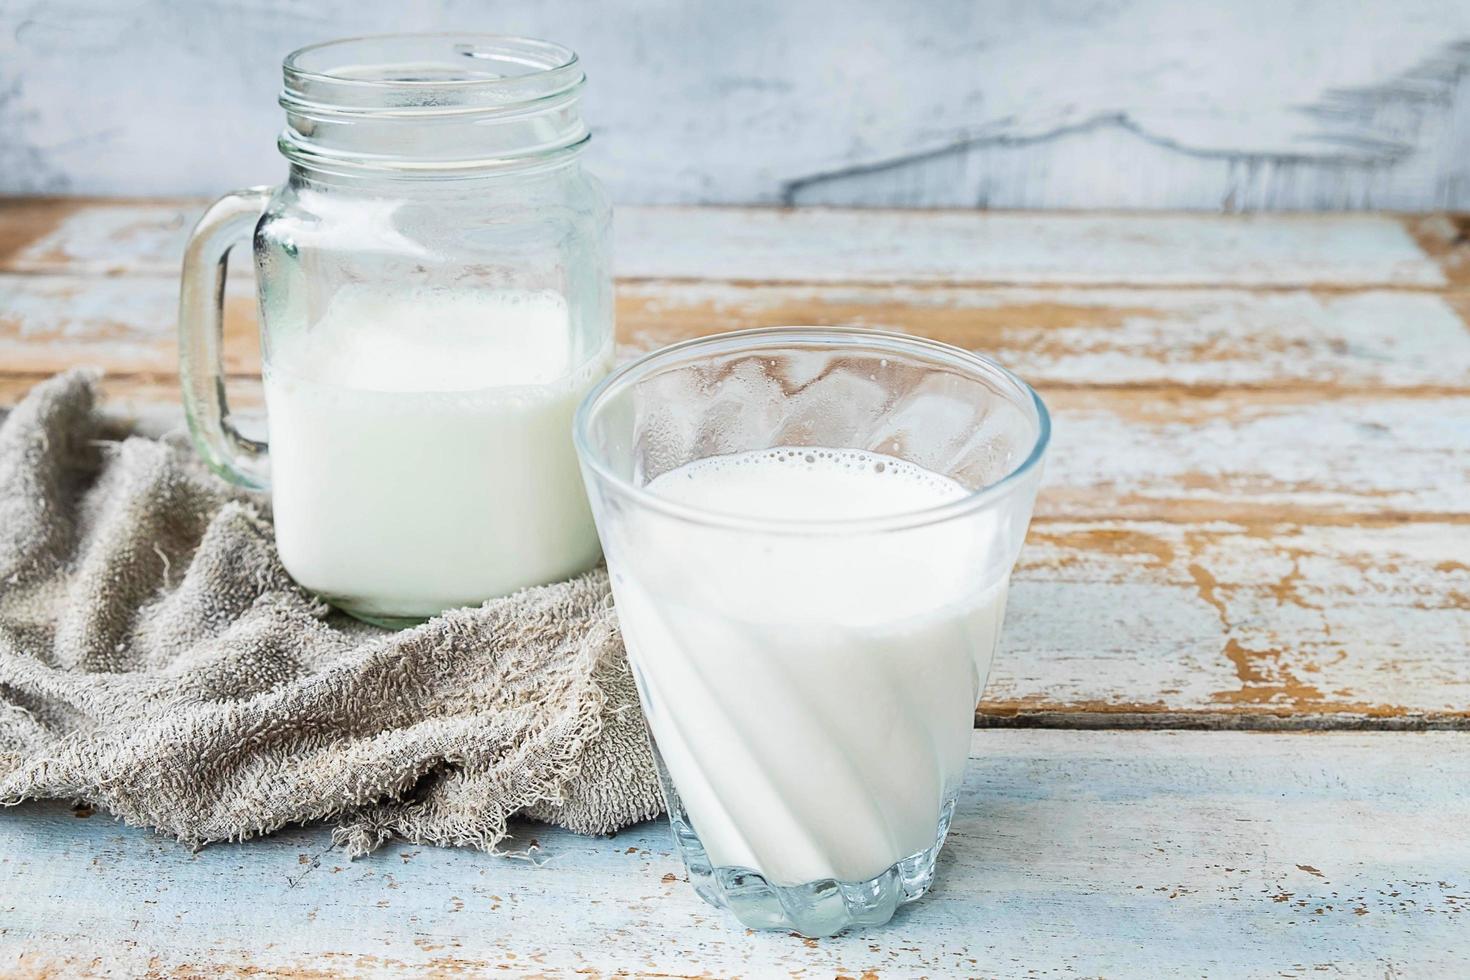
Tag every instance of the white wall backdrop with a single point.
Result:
(1244, 104)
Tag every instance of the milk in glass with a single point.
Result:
(811, 695)
(421, 453)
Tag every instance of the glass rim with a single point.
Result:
(857, 338)
(513, 98)
(554, 79)
(560, 58)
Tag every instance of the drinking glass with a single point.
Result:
(810, 678)
(436, 297)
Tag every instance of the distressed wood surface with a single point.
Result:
(1256, 516)
(116, 237)
(1338, 600)
(1072, 853)
(1257, 505)
(1056, 337)
(1130, 103)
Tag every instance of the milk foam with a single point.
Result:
(812, 694)
(797, 483)
(421, 449)
(375, 338)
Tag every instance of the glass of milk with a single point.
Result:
(810, 533)
(436, 298)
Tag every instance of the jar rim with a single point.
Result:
(510, 48)
(428, 74)
(431, 104)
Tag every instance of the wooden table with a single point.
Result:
(1225, 734)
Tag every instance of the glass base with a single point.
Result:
(387, 622)
(818, 908)
(348, 607)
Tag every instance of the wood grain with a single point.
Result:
(1144, 455)
(1385, 405)
(1257, 506)
(125, 324)
(1284, 456)
(1064, 335)
(1087, 853)
(98, 237)
(116, 237)
(957, 247)
(1216, 624)
(1195, 338)
(1256, 515)
(1323, 591)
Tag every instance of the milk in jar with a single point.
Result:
(435, 295)
(421, 449)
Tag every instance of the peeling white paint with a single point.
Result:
(1147, 615)
(1071, 853)
(1344, 456)
(855, 246)
(1053, 337)
(1255, 500)
(1106, 336)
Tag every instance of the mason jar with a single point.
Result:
(435, 298)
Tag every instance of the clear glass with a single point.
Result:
(436, 298)
(810, 684)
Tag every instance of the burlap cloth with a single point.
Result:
(156, 661)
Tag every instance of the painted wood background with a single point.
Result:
(1253, 104)
(1079, 854)
(1255, 525)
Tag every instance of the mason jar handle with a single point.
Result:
(229, 453)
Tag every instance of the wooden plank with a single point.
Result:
(831, 245)
(1094, 853)
(1257, 457)
(1118, 453)
(1224, 448)
(1446, 239)
(1254, 496)
(1147, 455)
(1095, 337)
(1220, 625)
(849, 246)
(1338, 606)
(1105, 337)
(95, 237)
(123, 324)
